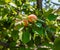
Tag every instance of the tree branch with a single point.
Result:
(56, 3)
(39, 4)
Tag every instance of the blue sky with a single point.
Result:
(56, 1)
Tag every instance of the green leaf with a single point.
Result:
(12, 44)
(57, 44)
(48, 44)
(28, 49)
(30, 43)
(13, 5)
(38, 24)
(52, 17)
(5, 17)
(22, 48)
(37, 30)
(42, 49)
(32, 0)
(18, 27)
(7, 1)
(18, 2)
(2, 2)
(15, 34)
(25, 36)
(14, 11)
(46, 14)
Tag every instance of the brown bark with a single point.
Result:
(39, 4)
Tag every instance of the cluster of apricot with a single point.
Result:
(30, 19)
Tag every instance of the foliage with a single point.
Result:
(17, 33)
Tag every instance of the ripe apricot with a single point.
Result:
(32, 18)
(25, 22)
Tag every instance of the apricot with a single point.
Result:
(25, 22)
(32, 18)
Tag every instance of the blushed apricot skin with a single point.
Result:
(32, 18)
